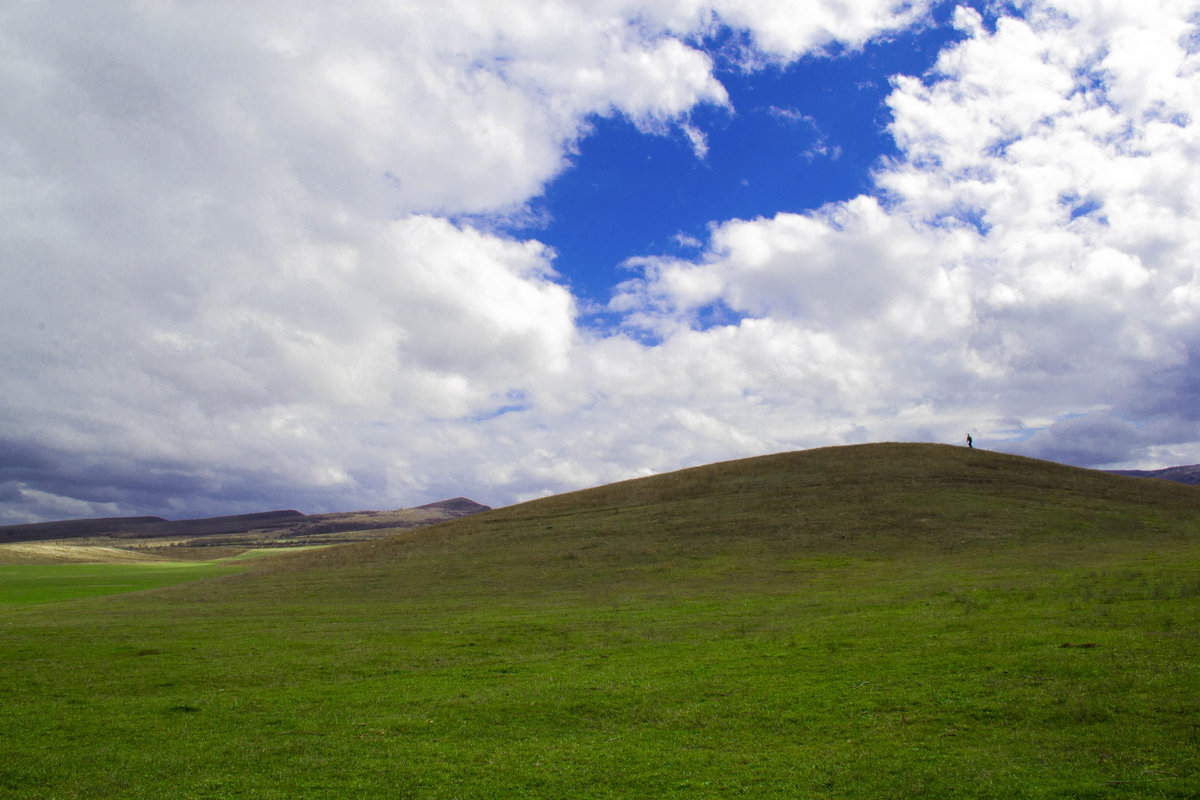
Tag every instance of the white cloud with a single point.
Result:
(790, 30)
(231, 280)
(1035, 254)
(226, 254)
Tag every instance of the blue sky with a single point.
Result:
(794, 137)
(381, 254)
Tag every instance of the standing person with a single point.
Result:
(970, 444)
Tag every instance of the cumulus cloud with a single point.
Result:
(237, 273)
(790, 30)
(230, 272)
(1029, 254)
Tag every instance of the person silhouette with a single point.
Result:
(970, 444)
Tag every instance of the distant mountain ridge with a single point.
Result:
(458, 506)
(1189, 474)
(281, 526)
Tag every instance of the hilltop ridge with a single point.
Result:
(869, 471)
(874, 498)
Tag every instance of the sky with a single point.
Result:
(370, 255)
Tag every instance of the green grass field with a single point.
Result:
(26, 584)
(871, 622)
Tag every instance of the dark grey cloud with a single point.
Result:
(1171, 392)
(38, 481)
(11, 497)
(1088, 441)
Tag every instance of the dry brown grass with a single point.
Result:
(61, 553)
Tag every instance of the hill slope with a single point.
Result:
(881, 499)
(881, 621)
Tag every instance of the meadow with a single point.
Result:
(25, 584)
(875, 621)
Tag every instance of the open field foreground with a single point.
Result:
(879, 621)
(34, 573)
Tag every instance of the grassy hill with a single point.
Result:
(871, 621)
